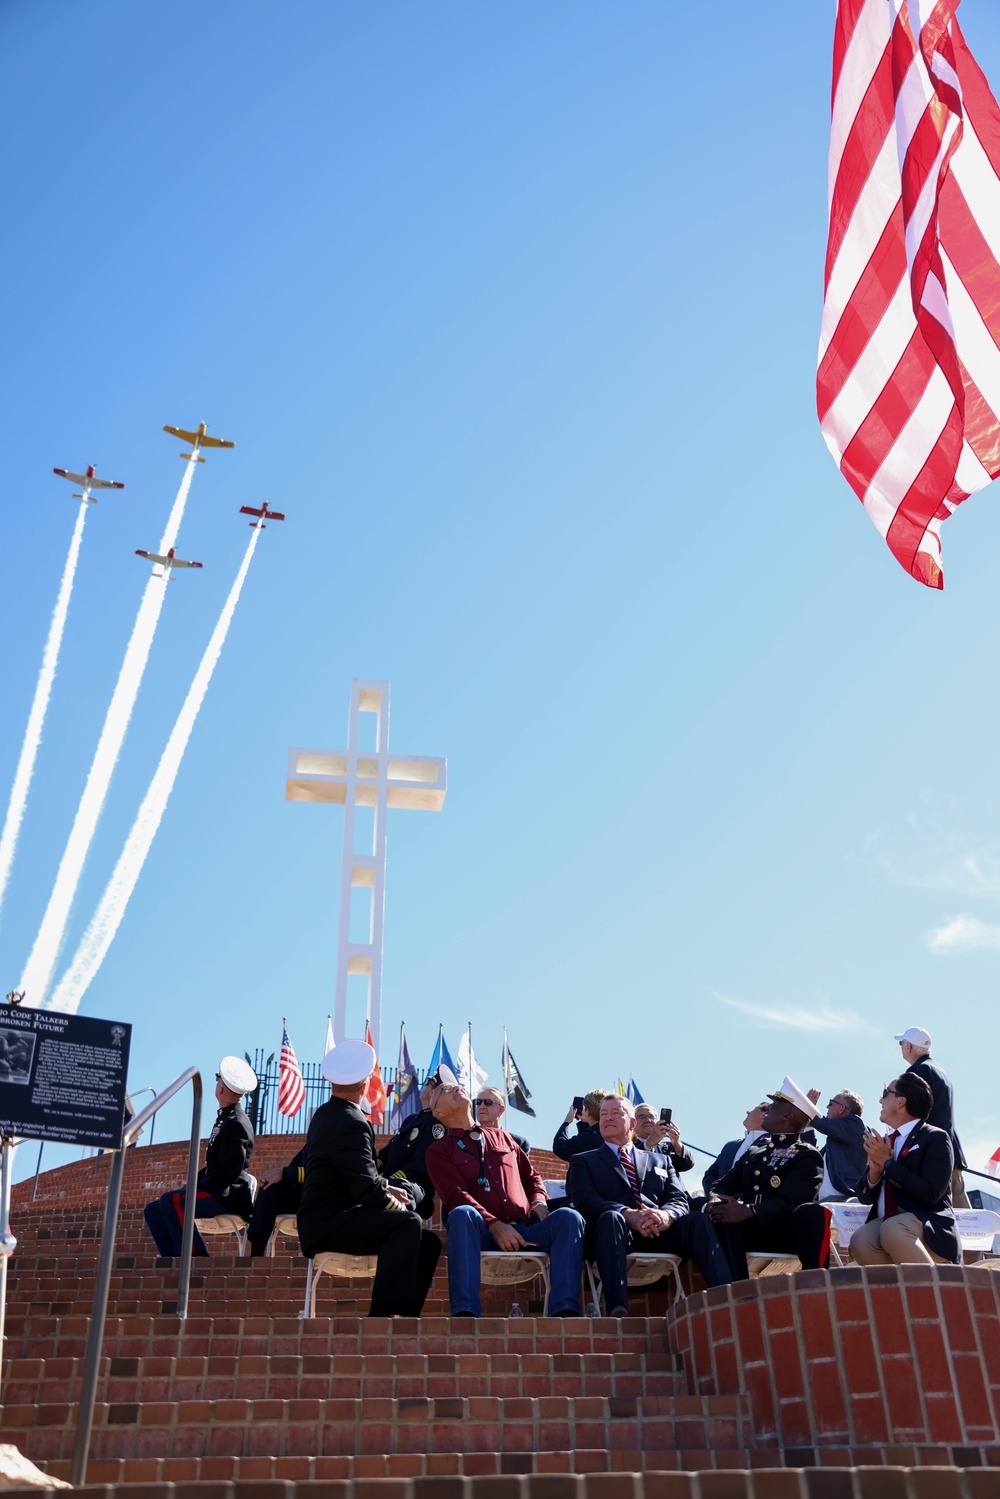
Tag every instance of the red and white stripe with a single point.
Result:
(908, 387)
(291, 1088)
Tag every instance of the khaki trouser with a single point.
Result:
(959, 1196)
(893, 1241)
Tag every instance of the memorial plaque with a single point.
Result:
(62, 1077)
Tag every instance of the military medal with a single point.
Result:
(775, 1181)
(438, 1131)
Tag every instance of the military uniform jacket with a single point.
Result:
(776, 1175)
(341, 1172)
(407, 1149)
(224, 1175)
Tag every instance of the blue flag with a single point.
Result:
(406, 1088)
(441, 1054)
(632, 1093)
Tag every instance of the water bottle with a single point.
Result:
(593, 1310)
(515, 1310)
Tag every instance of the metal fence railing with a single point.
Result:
(262, 1104)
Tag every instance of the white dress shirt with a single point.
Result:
(905, 1130)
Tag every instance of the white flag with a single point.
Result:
(329, 1034)
(470, 1074)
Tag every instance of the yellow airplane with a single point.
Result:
(199, 439)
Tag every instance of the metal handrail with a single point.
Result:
(95, 1334)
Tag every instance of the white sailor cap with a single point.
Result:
(349, 1062)
(238, 1076)
(789, 1092)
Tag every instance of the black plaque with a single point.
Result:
(62, 1077)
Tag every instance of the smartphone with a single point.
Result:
(578, 1104)
(666, 1115)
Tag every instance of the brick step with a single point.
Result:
(35, 1381)
(355, 1427)
(200, 1336)
(855, 1474)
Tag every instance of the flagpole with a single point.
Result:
(472, 1065)
(504, 1063)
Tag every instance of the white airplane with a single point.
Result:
(165, 565)
(87, 482)
(199, 439)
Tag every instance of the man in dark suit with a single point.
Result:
(768, 1200)
(733, 1150)
(915, 1045)
(666, 1138)
(347, 1207)
(632, 1200)
(908, 1183)
(588, 1133)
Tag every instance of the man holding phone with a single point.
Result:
(661, 1134)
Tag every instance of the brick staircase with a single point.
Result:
(247, 1400)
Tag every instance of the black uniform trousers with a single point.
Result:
(804, 1232)
(407, 1255)
(691, 1237)
(283, 1197)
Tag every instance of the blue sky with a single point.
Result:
(514, 310)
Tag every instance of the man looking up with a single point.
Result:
(768, 1199)
(588, 1135)
(908, 1183)
(347, 1207)
(631, 1199)
(733, 1150)
(495, 1200)
(844, 1157)
(915, 1045)
(405, 1155)
(650, 1134)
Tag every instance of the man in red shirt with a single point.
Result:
(494, 1199)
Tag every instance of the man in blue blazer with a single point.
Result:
(632, 1200)
(908, 1183)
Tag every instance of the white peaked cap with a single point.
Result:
(447, 1076)
(350, 1062)
(789, 1092)
(237, 1075)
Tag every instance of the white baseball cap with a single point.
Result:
(350, 1062)
(238, 1076)
(916, 1035)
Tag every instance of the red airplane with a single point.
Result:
(165, 565)
(87, 482)
(260, 514)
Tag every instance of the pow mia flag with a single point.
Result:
(514, 1086)
(62, 1077)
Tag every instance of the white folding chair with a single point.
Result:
(285, 1223)
(641, 1270)
(349, 1266)
(977, 1230)
(760, 1263)
(498, 1268)
(229, 1223)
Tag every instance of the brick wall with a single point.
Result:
(857, 1358)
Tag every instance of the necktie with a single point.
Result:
(629, 1165)
(891, 1207)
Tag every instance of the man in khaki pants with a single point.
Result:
(908, 1183)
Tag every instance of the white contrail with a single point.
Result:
(36, 718)
(44, 955)
(101, 932)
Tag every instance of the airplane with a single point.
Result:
(87, 482)
(260, 514)
(165, 565)
(199, 439)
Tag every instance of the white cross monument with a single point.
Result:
(361, 778)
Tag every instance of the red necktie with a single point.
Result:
(891, 1206)
(629, 1164)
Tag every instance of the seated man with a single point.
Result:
(495, 1200)
(347, 1207)
(844, 1159)
(650, 1134)
(280, 1192)
(734, 1150)
(631, 1199)
(908, 1183)
(490, 1106)
(588, 1134)
(404, 1156)
(768, 1199)
(223, 1181)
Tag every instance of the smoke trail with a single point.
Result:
(44, 955)
(36, 718)
(101, 932)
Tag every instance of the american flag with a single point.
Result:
(908, 388)
(291, 1088)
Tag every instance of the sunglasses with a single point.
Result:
(890, 1093)
(487, 1103)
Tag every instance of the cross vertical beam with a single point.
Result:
(361, 778)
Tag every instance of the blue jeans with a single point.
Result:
(560, 1234)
